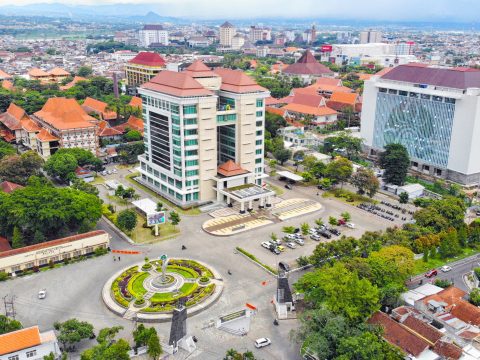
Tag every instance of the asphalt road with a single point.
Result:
(459, 268)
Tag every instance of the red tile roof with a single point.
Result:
(135, 101)
(35, 72)
(176, 84)
(8, 187)
(307, 65)
(58, 72)
(72, 83)
(13, 116)
(199, 70)
(7, 85)
(19, 340)
(65, 114)
(230, 168)
(309, 110)
(99, 107)
(396, 334)
(308, 99)
(457, 78)
(45, 136)
(109, 131)
(148, 59)
(4, 244)
(420, 327)
(51, 243)
(447, 350)
(328, 82)
(4, 75)
(237, 81)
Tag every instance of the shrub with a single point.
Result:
(99, 251)
(51, 264)
(475, 297)
(139, 301)
(302, 261)
(204, 280)
(252, 257)
(477, 272)
(443, 283)
(147, 266)
(3, 276)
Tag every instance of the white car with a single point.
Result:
(291, 245)
(350, 225)
(114, 170)
(42, 294)
(104, 172)
(445, 268)
(262, 342)
(266, 245)
(299, 241)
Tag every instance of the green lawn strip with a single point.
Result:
(278, 190)
(252, 257)
(135, 285)
(162, 297)
(188, 288)
(98, 180)
(143, 235)
(185, 272)
(422, 266)
(192, 211)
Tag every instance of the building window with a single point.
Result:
(392, 91)
(259, 123)
(438, 172)
(175, 119)
(259, 102)
(258, 142)
(382, 90)
(426, 168)
(192, 173)
(191, 162)
(414, 164)
(191, 142)
(403, 93)
(31, 353)
(190, 132)
(258, 161)
(258, 151)
(192, 121)
(15, 268)
(195, 196)
(189, 109)
(259, 132)
(13, 357)
(259, 113)
(191, 153)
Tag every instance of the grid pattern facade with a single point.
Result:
(422, 125)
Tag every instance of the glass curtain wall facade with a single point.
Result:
(422, 123)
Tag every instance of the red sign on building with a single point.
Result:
(326, 48)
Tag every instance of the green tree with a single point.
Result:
(18, 168)
(341, 291)
(367, 346)
(108, 348)
(6, 149)
(127, 220)
(81, 185)
(319, 222)
(61, 166)
(351, 145)
(133, 135)
(339, 170)
(288, 229)
(72, 332)
(159, 206)
(8, 325)
(346, 216)
(304, 228)
(474, 297)
(403, 198)
(449, 244)
(396, 161)
(174, 218)
(365, 181)
(153, 344)
(332, 220)
(282, 155)
(84, 71)
(17, 238)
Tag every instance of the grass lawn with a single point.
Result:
(126, 166)
(97, 181)
(188, 288)
(422, 266)
(192, 211)
(278, 190)
(135, 285)
(143, 235)
(186, 273)
(117, 200)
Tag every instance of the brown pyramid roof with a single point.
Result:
(59, 72)
(230, 168)
(237, 81)
(198, 69)
(65, 114)
(176, 84)
(307, 65)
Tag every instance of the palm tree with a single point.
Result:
(319, 222)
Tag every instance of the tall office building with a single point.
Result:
(434, 112)
(153, 34)
(227, 32)
(370, 36)
(259, 34)
(204, 133)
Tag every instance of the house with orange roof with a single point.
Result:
(5, 76)
(143, 67)
(8, 187)
(39, 74)
(28, 343)
(72, 83)
(106, 132)
(100, 108)
(8, 85)
(197, 120)
(54, 75)
(135, 101)
(133, 123)
(64, 124)
(307, 68)
(16, 126)
(58, 74)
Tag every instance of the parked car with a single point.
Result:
(42, 294)
(446, 268)
(288, 186)
(291, 245)
(325, 234)
(431, 273)
(350, 225)
(104, 173)
(312, 231)
(315, 237)
(296, 231)
(281, 248)
(299, 241)
(291, 236)
(262, 342)
(275, 251)
(334, 231)
(266, 245)
(284, 266)
(114, 171)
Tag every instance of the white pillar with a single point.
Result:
(242, 207)
(262, 203)
(269, 201)
(250, 205)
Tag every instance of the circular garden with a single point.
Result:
(148, 290)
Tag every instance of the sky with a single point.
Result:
(385, 10)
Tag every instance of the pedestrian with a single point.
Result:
(317, 193)
(119, 258)
(114, 259)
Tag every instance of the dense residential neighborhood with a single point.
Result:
(251, 182)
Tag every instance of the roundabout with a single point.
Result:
(150, 291)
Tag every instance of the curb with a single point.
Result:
(118, 231)
(256, 263)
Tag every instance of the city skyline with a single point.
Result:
(429, 10)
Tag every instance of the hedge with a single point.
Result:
(252, 257)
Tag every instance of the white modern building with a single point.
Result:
(259, 34)
(370, 36)
(153, 34)
(227, 32)
(28, 343)
(434, 112)
(203, 128)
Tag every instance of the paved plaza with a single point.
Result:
(75, 290)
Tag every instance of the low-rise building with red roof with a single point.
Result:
(64, 123)
(72, 83)
(5, 76)
(307, 68)
(8, 187)
(29, 343)
(133, 123)
(100, 108)
(143, 67)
